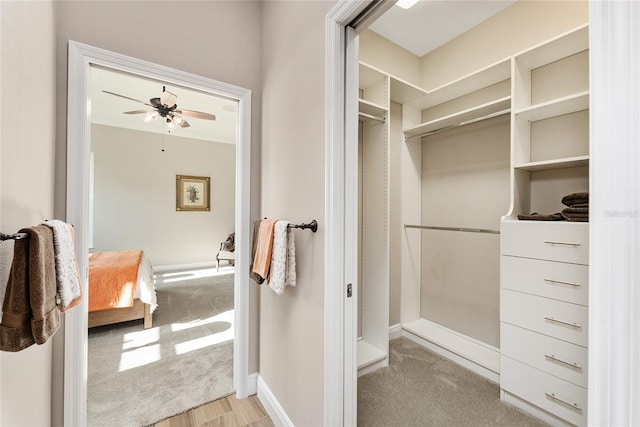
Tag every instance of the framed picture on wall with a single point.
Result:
(192, 193)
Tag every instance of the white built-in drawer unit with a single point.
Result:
(553, 241)
(557, 396)
(544, 295)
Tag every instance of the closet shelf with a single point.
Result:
(371, 108)
(556, 107)
(497, 106)
(565, 163)
(407, 93)
(567, 44)
(368, 354)
(369, 75)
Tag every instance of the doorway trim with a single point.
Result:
(81, 58)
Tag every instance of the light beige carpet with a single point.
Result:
(421, 388)
(137, 377)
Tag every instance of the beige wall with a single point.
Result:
(27, 142)
(135, 195)
(518, 27)
(385, 55)
(291, 325)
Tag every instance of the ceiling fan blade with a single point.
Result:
(197, 114)
(185, 124)
(126, 97)
(135, 112)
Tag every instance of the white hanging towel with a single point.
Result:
(67, 278)
(283, 258)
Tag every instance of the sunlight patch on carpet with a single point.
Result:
(226, 317)
(193, 274)
(140, 338)
(209, 340)
(139, 357)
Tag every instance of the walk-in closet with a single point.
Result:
(473, 215)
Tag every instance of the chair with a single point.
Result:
(227, 251)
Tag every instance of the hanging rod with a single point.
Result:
(464, 123)
(16, 236)
(372, 117)
(313, 226)
(467, 230)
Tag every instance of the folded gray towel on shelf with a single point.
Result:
(541, 217)
(575, 199)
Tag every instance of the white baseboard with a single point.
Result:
(192, 266)
(395, 331)
(272, 406)
(252, 383)
(470, 353)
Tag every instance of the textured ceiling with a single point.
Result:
(108, 109)
(431, 23)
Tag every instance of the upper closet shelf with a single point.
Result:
(485, 77)
(569, 162)
(488, 110)
(556, 107)
(567, 44)
(371, 108)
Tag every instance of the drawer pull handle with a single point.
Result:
(564, 362)
(570, 405)
(577, 285)
(553, 242)
(573, 325)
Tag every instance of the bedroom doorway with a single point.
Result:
(85, 66)
(161, 185)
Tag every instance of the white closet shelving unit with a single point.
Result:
(544, 265)
(373, 292)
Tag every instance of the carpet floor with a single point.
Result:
(421, 388)
(137, 377)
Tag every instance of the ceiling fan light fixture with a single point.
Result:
(150, 116)
(170, 124)
(178, 120)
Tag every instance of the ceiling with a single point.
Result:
(431, 23)
(108, 109)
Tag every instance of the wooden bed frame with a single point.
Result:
(139, 310)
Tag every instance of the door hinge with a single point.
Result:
(349, 290)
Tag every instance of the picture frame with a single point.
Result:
(193, 193)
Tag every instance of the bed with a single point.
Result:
(121, 288)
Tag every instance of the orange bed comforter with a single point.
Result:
(112, 279)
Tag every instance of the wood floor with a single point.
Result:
(225, 412)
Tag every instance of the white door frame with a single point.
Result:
(81, 58)
(614, 377)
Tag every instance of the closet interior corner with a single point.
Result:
(444, 172)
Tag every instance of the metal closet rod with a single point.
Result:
(16, 236)
(372, 117)
(467, 122)
(466, 230)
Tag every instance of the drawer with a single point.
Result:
(553, 241)
(557, 280)
(559, 397)
(556, 357)
(551, 317)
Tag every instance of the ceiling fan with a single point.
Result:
(165, 106)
